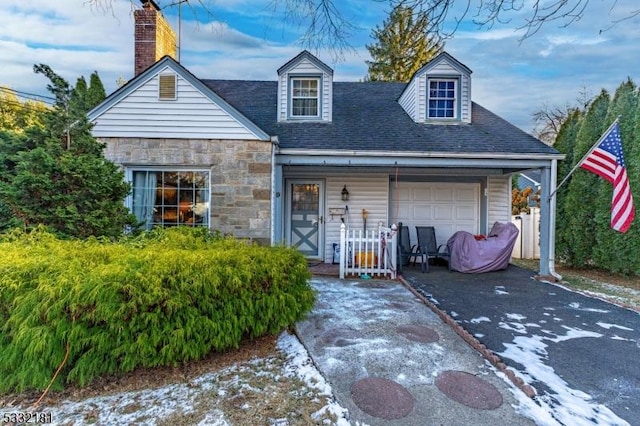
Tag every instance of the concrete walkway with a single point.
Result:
(391, 360)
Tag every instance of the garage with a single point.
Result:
(447, 206)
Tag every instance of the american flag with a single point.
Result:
(606, 160)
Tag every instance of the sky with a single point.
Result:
(250, 39)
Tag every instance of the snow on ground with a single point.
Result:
(610, 326)
(562, 405)
(500, 289)
(153, 406)
(300, 364)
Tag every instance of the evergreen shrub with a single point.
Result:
(159, 299)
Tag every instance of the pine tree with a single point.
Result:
(626, 246)
(565, 143)
(96, 92)
(584, 187)
(402, 46)
(57, 175)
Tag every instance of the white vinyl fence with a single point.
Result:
(370, 252)
(528, 243)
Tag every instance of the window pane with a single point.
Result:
(305, 107)
(305, 97)
(169, 198)
(442, 99)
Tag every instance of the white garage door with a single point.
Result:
(449, 207)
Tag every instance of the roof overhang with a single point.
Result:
(503, 161)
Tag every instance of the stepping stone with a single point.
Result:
(469, 390)
(339, 337)
(382, 398)
(418, 333)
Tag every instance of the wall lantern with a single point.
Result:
(345, 194)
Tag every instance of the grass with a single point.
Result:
(254, 384)
(614, 288)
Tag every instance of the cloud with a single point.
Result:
(492, 34)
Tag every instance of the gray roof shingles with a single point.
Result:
(368, 117)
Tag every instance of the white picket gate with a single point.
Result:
(369, 252)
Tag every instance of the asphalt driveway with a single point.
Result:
(581, 354)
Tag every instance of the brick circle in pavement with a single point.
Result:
(339, 337)
(382, 398)
(469, 390)
(418, 333)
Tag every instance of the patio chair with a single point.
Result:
(428, 247)
(406, 250)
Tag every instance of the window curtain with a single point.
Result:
(144, 197)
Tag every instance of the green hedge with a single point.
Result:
(160, 299)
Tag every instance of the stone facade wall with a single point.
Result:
(240, 176)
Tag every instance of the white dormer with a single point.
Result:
(439, 92)
(305, 89)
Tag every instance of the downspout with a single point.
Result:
(274, 146)
(552, 222)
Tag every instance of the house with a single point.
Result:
(528, 179)
(290, 160)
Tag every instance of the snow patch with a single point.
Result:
(576, 305)
(516, 317)
(479, 320)
(560, 404)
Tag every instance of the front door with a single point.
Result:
(305, 222)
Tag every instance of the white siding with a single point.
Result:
(305, 67)
(370, 192)
(408, 100)
(465, 93)
(191, 116)
(416, 91)
(499, 200)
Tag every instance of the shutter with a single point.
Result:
(167, 87)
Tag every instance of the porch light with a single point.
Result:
(345, 194)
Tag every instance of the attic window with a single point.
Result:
(442, 98)
(167, 87)
(305, 97)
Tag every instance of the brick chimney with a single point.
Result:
(154, 37)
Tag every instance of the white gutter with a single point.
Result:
(419, 154)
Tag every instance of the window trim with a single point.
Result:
(457, 102)
(290, 96)
(131, 169)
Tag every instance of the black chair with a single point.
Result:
(406, 250)
(428, 247)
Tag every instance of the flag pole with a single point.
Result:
(585, 156)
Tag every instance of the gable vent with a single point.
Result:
(167, 87)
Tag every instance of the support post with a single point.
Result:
(343, 249)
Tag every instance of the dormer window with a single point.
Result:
(442, 99)
(305, 97)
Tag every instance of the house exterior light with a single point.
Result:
(345, 194)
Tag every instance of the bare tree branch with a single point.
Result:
(325, 24)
